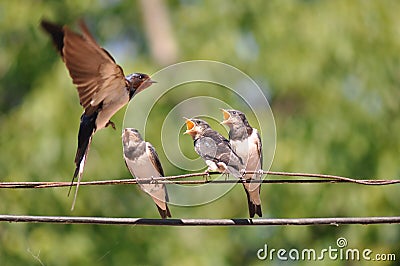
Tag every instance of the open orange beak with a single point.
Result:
(227, 116)
(190, 127)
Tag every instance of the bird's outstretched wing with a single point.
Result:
(92, 68)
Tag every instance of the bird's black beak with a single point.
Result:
(145, 84)
(148, 82)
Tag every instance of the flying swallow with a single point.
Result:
(102, 86)
(142, 161)
(246, 142)
(213, 148)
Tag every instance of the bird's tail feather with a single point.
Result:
(164, 213)
(86, 130)
(253, 208)
(76, 190)
(78, 172)
(258, 210)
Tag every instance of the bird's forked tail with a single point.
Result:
(86, 130)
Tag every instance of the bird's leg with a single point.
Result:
(207, 174)
(242, 172)
(242, 178)
(260, 172)
(153, 181)
(110, 123)
(226, 175)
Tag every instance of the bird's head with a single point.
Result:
(139, 82)
(195, 126)
(233, 118)
(131, 135)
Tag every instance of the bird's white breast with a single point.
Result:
(247, 150)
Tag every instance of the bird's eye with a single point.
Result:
(234, 112)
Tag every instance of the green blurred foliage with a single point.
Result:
(329, 68)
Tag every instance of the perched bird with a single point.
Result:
(246, 142)
(102, 86)
(142, 161)
(213, 148)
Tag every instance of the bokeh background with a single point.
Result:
(331, 73)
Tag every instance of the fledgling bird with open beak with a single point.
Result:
(213, 148)
(102, 86)
(142, 161)
(246, 142)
